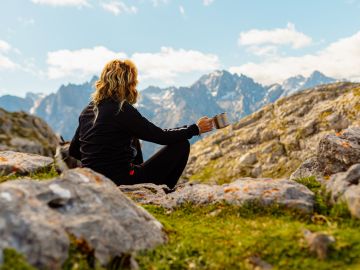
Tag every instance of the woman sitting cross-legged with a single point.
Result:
(107, 137)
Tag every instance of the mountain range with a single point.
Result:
(211, 94)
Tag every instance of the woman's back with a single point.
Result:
(105, 145)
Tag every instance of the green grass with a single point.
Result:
(199, 240)
(322, 200)
(43, 174)
(12, 260)
(210, 172)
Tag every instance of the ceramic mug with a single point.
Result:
(221, 120)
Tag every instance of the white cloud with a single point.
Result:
(182, 10)
(79, 63)
(118, 7)
(340, 59)
(207, 2)
(4, 46)
(164, 66)
(5, 61)
(269, 50)
(77, 3)
(278, 36)
(159, 2)
(169, 63)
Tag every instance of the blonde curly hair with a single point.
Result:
(118, 81)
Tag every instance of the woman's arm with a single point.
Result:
(143, 129)
(74, 149)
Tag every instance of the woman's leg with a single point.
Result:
(164, 167)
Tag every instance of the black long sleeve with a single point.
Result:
(139, 156)
(146, 130)
(74, 149)
(109, 144)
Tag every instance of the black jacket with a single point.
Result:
(112, 142)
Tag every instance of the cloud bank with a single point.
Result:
(165, 65)
(278, 36)
(340, 59)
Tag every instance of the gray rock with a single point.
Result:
(336, 153)
(37, 217)
(256, 171)
(248, 159)
(318, 243)
(259, 264)
(25, 145)
(264, 190)
(340, 182)
(145, 193)
(345, 186)
(216, 154)
(309, 168)
(23, 132)
(352, 198)
(338, 121)
(268, 134)
(309, 128)
(22, 163)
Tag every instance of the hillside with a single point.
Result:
(273, 141)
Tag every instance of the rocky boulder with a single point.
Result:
(22, 163)
(37, 218)
(337, 166)
(308, 168)
(22, 132)
(264, 190)
(335, 153)
(345, 186)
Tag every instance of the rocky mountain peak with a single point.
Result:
(293, 83)
(218, 80)
(317, 78)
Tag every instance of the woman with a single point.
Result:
(107, 138)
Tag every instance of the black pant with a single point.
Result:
(164, 167)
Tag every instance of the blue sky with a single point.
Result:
(46, 43)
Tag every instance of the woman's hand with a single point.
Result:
(205, 124)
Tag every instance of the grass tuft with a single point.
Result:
(12, 260)
(323, 206)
